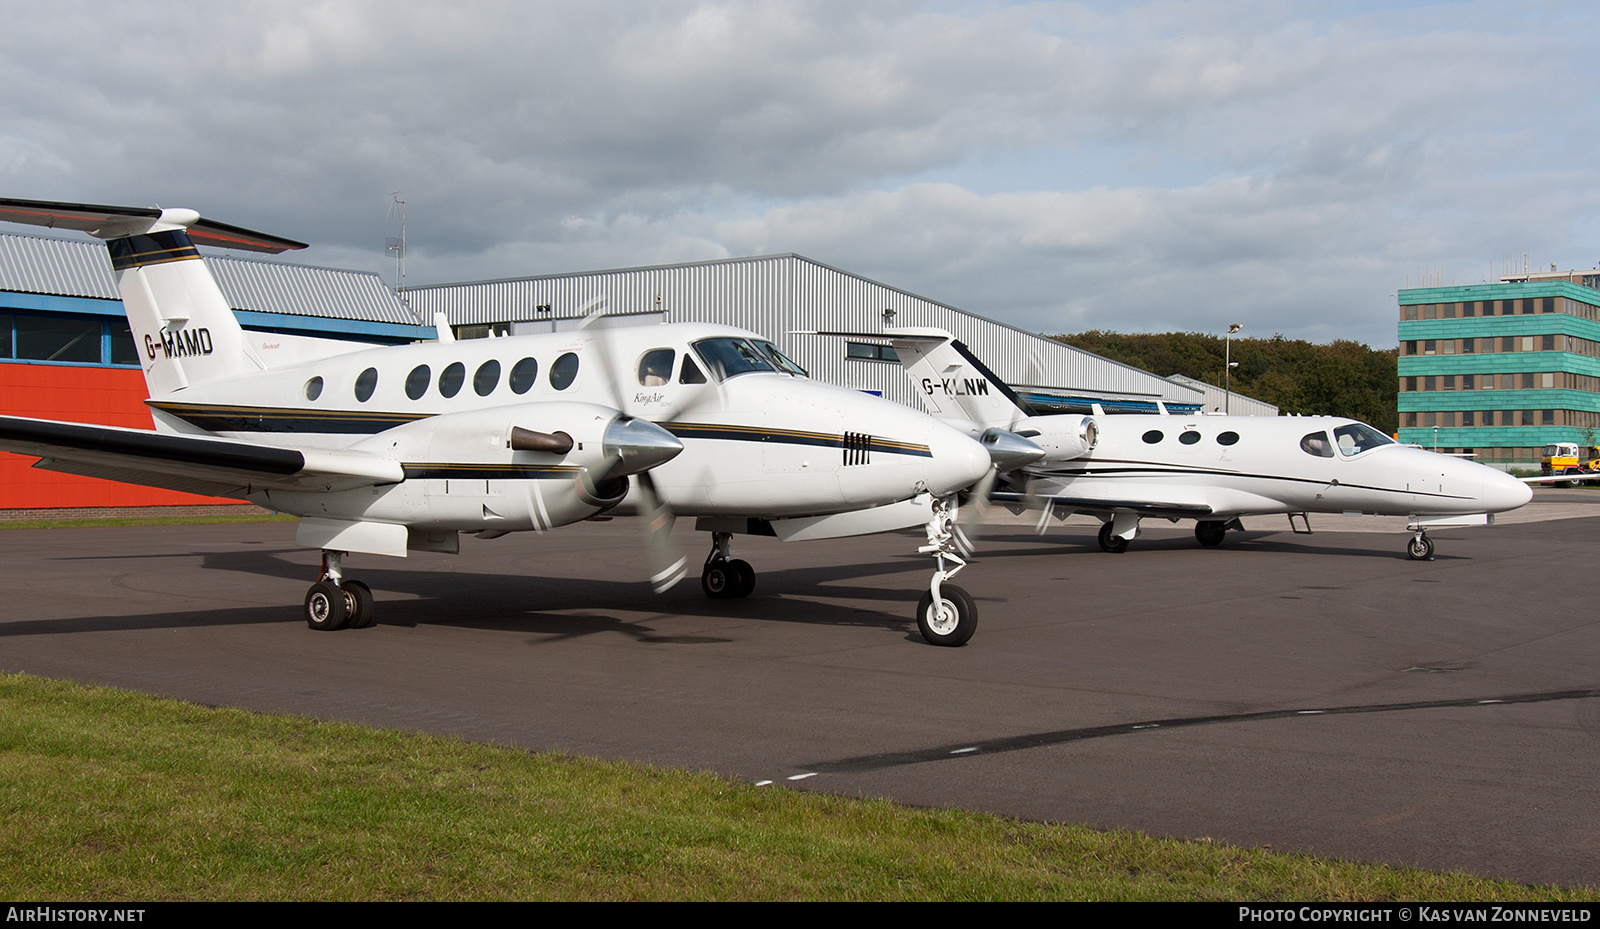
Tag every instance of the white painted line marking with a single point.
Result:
(801, 777)
(762, 783)
(963, 751)
(1481, 702)
(1311, 712)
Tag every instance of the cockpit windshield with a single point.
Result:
(1359, 437)
(781, 361)
(727, 358)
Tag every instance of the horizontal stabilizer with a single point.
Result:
(106, 222)
(182, 462)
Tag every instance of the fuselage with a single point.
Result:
(759, 439)
(1241, 465)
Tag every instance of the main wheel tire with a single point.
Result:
(326, 609)
(1420, 549)
(1210, 532)
(358, 600)
(746, 578)
(1114, 544)
(953, 623)
(720, 579)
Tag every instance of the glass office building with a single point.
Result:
(1501, 370)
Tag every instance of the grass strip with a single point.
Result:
(108, 794)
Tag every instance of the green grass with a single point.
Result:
(147, 521)
(108, 794)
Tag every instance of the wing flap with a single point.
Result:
(155, 459)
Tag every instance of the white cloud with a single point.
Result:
(1168, 165)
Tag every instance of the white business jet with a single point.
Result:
(385, 450)
(1213, 469)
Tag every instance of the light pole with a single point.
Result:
(1227, 368)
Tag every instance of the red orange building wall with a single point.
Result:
(101, 395)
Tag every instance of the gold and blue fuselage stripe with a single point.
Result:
(137, 251)
(225, 418)
(788, 437)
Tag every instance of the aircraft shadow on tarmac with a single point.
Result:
(438, 593)
(1028, 545)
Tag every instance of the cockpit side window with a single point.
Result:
(731, 357)
(1359, 437)
(691, 373)
(655, 367)
(1317, 444)
(781, 361)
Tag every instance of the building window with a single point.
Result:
(1467, 418)
(1411, 420)
(1548, 417)
(1549, 305)
(1467, 381)
(1429, 347)
(1411, 384)
(1411, 346)
(862, 351)
(1549, 343)
(67, 339)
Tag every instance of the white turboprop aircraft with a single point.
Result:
(387, 449)
(1210, 468)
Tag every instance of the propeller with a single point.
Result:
(1007, 452)
(640, 445)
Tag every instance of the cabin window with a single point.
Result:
(564, 371)
(1359, 437)
(1317, 444)
(451, 378)
(691, 373)
(1152, 437)
(314, 388)
(523, 374)
(366, 383)
(731, 357)
(1189, 438)
(487, 378)
(1228, 438)
(417, 381)
(655, 367)
(784, 363)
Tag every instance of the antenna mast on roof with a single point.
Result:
(398, 246)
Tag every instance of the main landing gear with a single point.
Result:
(946, 614)
(335, 602)
(725, 578)
(1420, 548)
(1115, 544)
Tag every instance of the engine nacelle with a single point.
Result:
(511, 468)
(1061, 437)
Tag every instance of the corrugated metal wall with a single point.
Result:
(61, 267)
(779, 295)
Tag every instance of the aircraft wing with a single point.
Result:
(1105, 505)
(1554, 478)
(195, 464)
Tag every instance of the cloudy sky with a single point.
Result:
(1057, 166)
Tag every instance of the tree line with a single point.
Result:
(1342, 378)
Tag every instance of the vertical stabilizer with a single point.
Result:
(185, 332)
(952, 382)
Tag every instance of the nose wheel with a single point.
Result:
(335, 602)
(725, 578)
(1420, 548)
(946, 614)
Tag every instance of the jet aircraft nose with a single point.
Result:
(1503, 492)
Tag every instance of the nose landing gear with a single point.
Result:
(946, 614)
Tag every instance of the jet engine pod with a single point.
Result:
(1064, 444)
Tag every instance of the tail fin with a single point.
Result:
(182, 325)
(953, 384)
